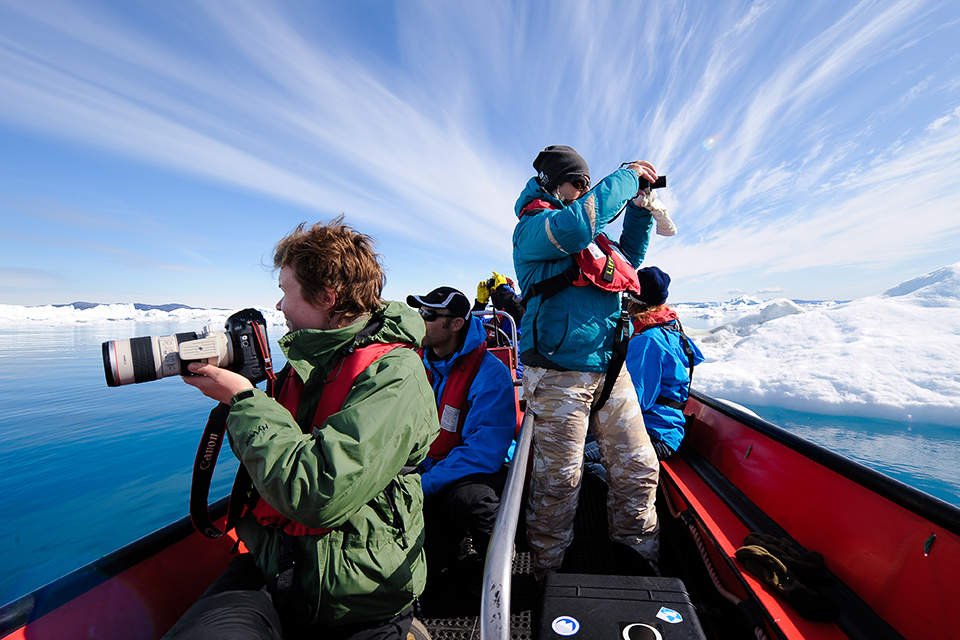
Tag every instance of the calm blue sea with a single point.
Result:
(87, 469)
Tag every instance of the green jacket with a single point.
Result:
(371, 566)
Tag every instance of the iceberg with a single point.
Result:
(886, 356)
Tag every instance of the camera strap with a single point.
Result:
(203, 466)
(618, 355)
(243, 493)
(214, 431)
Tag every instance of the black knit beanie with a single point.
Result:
(558, 163)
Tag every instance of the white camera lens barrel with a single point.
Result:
(214, 348)
(142, 359)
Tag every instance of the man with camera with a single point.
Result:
(570, 336)
(463, 474)
(335, 539)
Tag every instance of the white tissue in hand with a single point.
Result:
(649, 201)
(665, 226)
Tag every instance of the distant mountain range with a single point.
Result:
(80, 306)
(738, 301)
(747, 301)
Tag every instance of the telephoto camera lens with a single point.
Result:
(151, 357)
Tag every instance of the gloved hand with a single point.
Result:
(483, 293)
(498, 280)
(648, 200)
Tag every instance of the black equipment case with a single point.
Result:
(597, 607)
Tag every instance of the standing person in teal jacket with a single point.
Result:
(464, 473)
(660, 359)
(568, 336)
(335, 542)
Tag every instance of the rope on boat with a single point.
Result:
(708, 563)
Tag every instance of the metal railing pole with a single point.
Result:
(498, 568)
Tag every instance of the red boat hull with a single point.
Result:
(136, 593)
(893, 550)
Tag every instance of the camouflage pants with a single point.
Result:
(561, 402)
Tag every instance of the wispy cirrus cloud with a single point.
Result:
(787, 131)
(262, 132)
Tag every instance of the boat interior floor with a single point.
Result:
(450, 607)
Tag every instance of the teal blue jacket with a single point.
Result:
(574, 328)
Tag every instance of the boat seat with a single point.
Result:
(505, 355)
(722, 516)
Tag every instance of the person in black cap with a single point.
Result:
(567, 347)
(660, 359)
(463, 474)
(558, 165)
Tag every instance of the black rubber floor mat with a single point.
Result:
(451, 609)
(452, 613)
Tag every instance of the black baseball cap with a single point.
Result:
(448, 298)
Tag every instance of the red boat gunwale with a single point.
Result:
(137, 592)
(895, 549)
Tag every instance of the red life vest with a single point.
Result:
(600, 264)
(650, 320)
(335, 390)
(453, 406)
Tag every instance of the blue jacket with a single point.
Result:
(658, 366)
(490, 423)
(575, 327)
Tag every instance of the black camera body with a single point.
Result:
(252, 360)
(242, 347)
(660, 183)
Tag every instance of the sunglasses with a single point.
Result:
(429, 315)
(580, 183)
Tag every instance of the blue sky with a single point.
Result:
(155, 151)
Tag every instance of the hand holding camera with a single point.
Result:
(644, 171)
(647, 199)
(216, 383)
(483, 292)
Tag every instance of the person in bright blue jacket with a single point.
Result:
(660, 358)
(463, 474)
(566, 347)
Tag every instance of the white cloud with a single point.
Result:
(426, 139)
